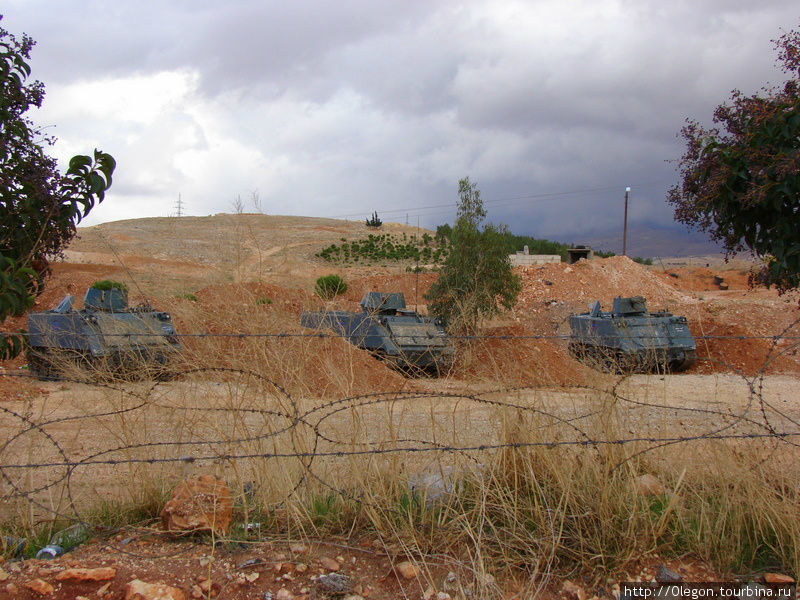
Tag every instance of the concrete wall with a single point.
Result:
(524, 260)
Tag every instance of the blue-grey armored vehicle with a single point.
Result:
(106, 337)
(407, 341)
(631, 339)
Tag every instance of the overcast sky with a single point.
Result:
(340, 108)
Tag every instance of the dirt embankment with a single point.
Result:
(269, 280)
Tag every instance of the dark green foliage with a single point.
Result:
(374, 221)
(386, 248)
(109, 284)
(476, 280)
(443, 233)
(740, 180)
(330, 286)
(513, 243)
(40, 207)
(470, 205)
(642, 261)
(264, 300)
(602, 254)
(190, 297)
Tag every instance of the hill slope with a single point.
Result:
(174, 255)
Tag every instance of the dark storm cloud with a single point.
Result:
(236, 45)
(348, 107)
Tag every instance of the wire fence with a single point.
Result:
(70, 447)
(83, 441)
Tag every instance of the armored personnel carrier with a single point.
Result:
(106, 336)
(409, 342)
(631, 339)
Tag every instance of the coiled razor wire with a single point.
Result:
(39, 461)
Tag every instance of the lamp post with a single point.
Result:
(625, 224)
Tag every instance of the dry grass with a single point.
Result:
(279, 420)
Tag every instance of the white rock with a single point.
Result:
(407, 569)
(284, 594)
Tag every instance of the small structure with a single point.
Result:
(576, 253)
(523, 258)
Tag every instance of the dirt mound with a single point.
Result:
(598, 279)
(703, 279)
(738, 323)
(275, 344)
(242, 296)
(729, 346)
(551, 293)
(505, 355)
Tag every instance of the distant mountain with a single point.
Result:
(650, 241)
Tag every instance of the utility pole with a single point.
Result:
(625, 224)
(416, 284)
(179, 206)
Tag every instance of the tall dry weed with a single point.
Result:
(500, 465)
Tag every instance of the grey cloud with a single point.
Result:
(360, 106)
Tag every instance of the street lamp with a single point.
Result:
(625, 224)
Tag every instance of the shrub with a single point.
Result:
(386, 247)
(264, 300)
(602, 254)
(109, 284)
(190, 297)
(330, 286)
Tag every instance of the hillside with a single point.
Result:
(173, 254)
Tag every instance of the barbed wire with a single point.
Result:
(38, 462)
(248, 429)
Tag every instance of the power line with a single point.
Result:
(503, 201)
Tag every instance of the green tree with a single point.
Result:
(39, 207)
(740, 180)
(470, 205)
(443, 233)
(476, 280)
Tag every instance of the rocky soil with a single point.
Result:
(158, 568)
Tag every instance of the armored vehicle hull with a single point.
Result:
(106, 337)
(409, 342)
(631, 339)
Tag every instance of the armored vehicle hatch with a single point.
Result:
(392, 332)
(631, 339)
(106, 336)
